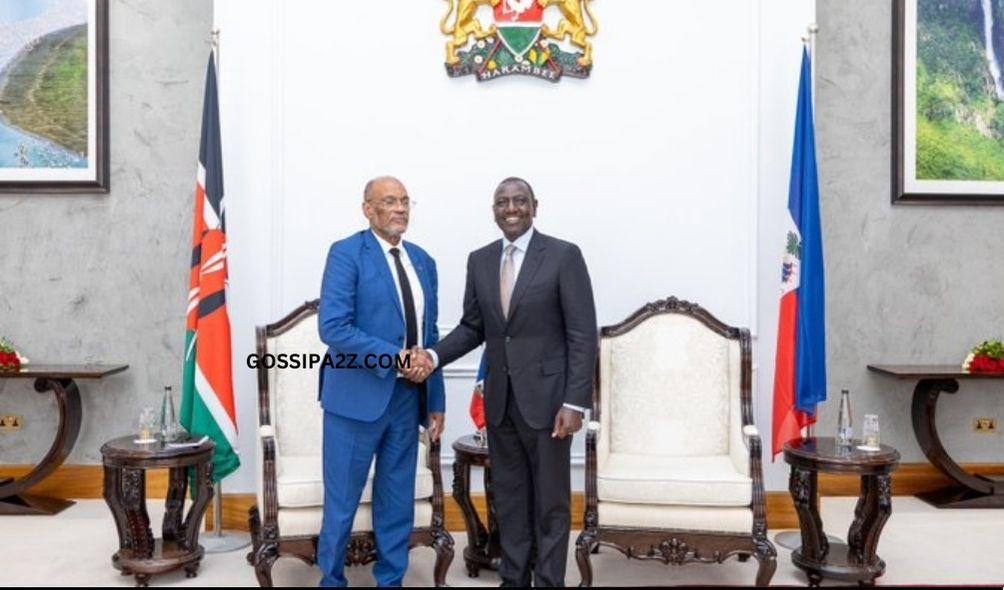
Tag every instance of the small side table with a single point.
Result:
(139, 554)
(855, 561)
(483, 547)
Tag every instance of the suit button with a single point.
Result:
(508, 339)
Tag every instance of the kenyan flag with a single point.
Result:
(207, 399)
(519, 23)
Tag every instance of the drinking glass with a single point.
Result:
(148, 424)
(870, 432)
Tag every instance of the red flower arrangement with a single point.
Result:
(9, 359)
(988, 357)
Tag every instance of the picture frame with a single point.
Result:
(54, 111)
(947, 103)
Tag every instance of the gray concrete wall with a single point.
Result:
(904, 284)
(104, 278)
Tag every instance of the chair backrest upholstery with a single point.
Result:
(296, 415)
(290, 400)
(671, 385)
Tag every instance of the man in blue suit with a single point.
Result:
(378, 301)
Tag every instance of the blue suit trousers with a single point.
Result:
(349, 448)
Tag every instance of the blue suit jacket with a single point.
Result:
(360, 314)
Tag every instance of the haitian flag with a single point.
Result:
(519, 23)
(477, 408)
(207, 399)
(800, 368)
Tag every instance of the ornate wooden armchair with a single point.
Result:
(673, 466)
(287, 518)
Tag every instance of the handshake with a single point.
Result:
(415, 364)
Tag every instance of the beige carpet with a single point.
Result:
(921, 545)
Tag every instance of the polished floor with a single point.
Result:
(921, 545)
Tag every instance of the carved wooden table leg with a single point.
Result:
(133, 494)
(493, 548)
(863, 513)
(477, 537)
(203, 494)
(125, 493)
(873, 510)
(174, 505)
(113, 497)
(804, 492)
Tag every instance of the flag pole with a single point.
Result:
(216, 48)
(813, 30)
(809, 41)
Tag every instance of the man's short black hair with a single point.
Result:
(513, 179)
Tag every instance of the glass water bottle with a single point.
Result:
(169, 427)
(845, 429)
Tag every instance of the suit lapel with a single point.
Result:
(493, 268)
(379, 260)
(531, 262)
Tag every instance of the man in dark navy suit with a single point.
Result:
(530, 300)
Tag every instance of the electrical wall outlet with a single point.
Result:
(11, 423)
(985, 425)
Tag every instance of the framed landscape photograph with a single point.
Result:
(54, 96)
(948, 102)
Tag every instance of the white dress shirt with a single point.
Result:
(409, 270)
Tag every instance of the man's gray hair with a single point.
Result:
(373, 181)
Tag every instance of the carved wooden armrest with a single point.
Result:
(751, 436)
(270, 511)
(433, 463)
(432, 459)
(590, 508)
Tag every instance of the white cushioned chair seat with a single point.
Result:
(687, 518)
(683, 481)
(300, 482)
(307, 521)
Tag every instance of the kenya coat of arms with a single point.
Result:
(518, 42)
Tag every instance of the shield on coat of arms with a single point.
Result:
(519, 23)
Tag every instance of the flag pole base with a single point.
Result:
(224, 542)
(792, 540)
(218, 541)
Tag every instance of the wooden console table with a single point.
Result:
(971, 491)
(59, 379)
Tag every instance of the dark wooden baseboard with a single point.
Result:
(85, 482)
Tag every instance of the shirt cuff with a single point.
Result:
(435, 358)
(576, 408)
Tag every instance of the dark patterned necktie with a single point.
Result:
(410, 322)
